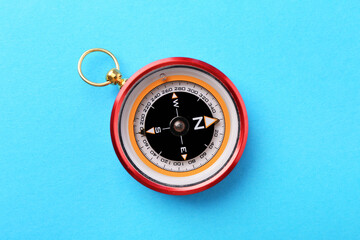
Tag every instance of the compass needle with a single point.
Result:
(210, 121)
(151, 130)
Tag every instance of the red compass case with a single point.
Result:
(179, 126)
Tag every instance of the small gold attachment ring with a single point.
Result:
(82, 58)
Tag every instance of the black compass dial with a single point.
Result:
(175, 126)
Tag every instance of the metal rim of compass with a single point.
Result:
(168, 62)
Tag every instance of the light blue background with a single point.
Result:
(296, 64)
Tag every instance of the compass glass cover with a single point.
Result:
(178, 126)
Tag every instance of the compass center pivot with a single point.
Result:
(179, 126)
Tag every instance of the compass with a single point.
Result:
(178, 125)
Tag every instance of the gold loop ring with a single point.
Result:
(82, 58)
